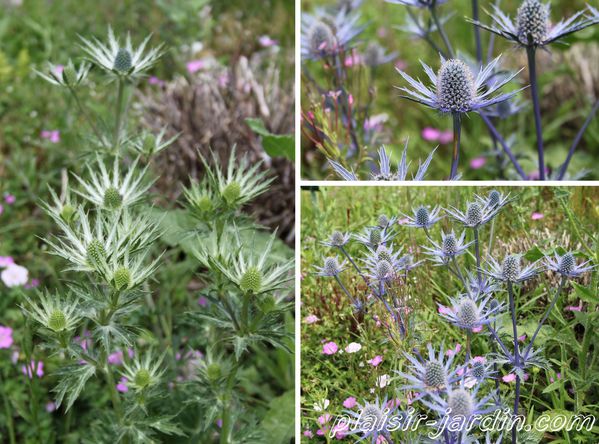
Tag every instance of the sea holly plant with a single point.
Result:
(486, 310)
(248, 289)
(109, 246)
(340, 120)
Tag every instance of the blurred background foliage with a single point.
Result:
(569, 85)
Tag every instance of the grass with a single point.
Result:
(569, 218)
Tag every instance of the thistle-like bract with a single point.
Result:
(143, 373)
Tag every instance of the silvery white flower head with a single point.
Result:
(423, 217)
(121, 60)
(510, 270)
(477, 213)
(143, 373)
(470, 314)
(337, 239)
(532, 26)
(566, 265)
(418, 3)
(108, 190)
(252, 273)
(149, 144)
(52, 312)
(331, 267)
(384, 172)
(449, 247)
(374, 236)
(456, 89)
(325, 34)
(430, 374)
(69, 77)
(240, 183)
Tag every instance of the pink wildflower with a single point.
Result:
(430, 134)
(267, 42)
(122, 385)
(350, 403)
(5, 261)
(445, 137)
(51, 135)
(478, 162)
(330, 348)
(375, 361)
(6, 339)
(195, 65)
(511, 377)
(9, 199)
(311, 319)
(37, 367)
(537, 216)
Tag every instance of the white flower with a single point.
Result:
(321, 405)
(353, 347)
(14, 275)
(383, 381)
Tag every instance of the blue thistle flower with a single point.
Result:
(331, 267)
(372, 420)
(510, 270)
(532, 27)
(450, 247)
(477, 213)
(374, 236)
(469, 314)
(566, 265)
(385, 253)
(456, 89)
(423, 218)
(480, 369)
(381, 272)
(433, 374)
(337, 239)
(495, 200)
(460, 405)
(324, 34)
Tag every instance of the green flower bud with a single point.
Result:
(95, 252)
(122, 61)
(214, 372)
(122, 278)
(57, 321)
(149, 143)
(112, 198)
(251, 281)
(142, 378)
(67, 213)
(69, 75)
(231, 193)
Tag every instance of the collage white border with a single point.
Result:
(299, 182)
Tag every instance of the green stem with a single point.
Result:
(119, 115)
(87, 117)
(227, 428)
(9, 419)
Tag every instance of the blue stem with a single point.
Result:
(577, 140)
(534, 90)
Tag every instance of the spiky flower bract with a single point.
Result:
(566, 265)
(325, 34)
(460, 405)
(423, 217)
(239, 184)
(255, 274)
(470, 314)
(374, 236)
(53, 312)
(337, 239)
(69, 77)
(121, 60)
(477, 213)
(450, 247)
(331, 267)
(107, 189)
(143, 373)
(533, 26)
(456, 89)
(511, 270)
(149, 144)
(372, 419)
(385, 253)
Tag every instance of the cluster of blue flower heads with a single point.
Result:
(455, 392)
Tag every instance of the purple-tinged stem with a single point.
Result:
(477, 254)
(577, 140)
(516, 357)
(441, 31)
(475, 17)
(345, 290)
(534, 89)
(498, 339)
(553, 302)
(505, 147)
(457, 130)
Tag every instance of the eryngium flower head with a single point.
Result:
(460, 406)
(510, 270)
(468, 313)
(456, 89)
(371, 420)
(331, 267)
(432, 374)
(256, 274)
(495, 200)
(533, 26)
(423, 218)
(149, 144)
(122, 60)
(375, 55)
(382, 272)
(477, 213)
(324, 35)
(566, 265)
(384, 172)
(107, 189)
(143, 373)
(240, 183)
(374, 236)
(337, 239)
(69, 77)
(54, 313)
(450, 247)
(480, 369)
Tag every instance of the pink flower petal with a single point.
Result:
(375, 361)
(537, 216)
(430, 134)
(330, 348)
(478, 162)
(350, 403)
